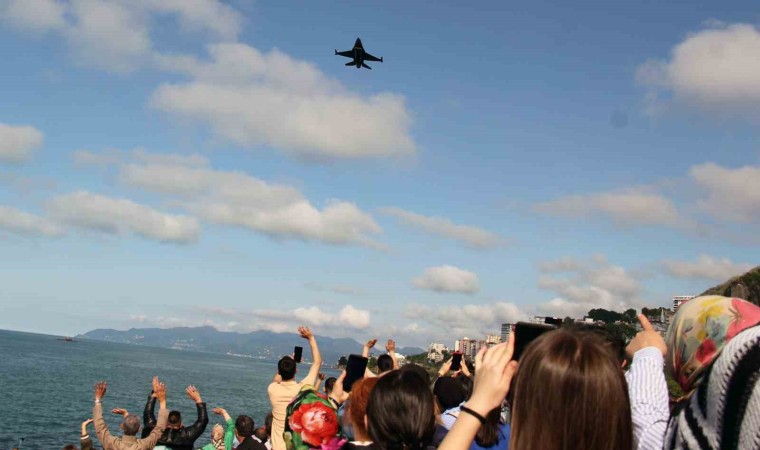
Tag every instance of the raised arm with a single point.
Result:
(101, 429)
(149, 418)
(390, 347)
(229, 430)
(647, 387)
(163, 416)
(86, 441)
(365, 353)
(316, 357)
(196, 429)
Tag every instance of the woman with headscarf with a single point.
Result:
(221, 435)
(712, 350)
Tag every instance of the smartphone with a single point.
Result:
(553, 321)
(456, 361)
(525, 333)
(355, 368)
(298, 353)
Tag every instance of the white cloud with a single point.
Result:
(452, 322)
(626, 208)
(25, 224)
(115, 35)
(17, 143)
(732, 194)
(447, 279)
(472, 236)
(238, 199)
(586, 285)
(706, 267)
(115, 156)
(259, 99)
(715, 68)
(120, 216)
(280, 320)
(335, 289)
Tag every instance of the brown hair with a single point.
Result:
(357, 407)
(570, 393)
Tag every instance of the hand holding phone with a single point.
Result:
(298, 354)
(525, 333)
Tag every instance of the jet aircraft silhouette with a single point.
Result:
(359, 56)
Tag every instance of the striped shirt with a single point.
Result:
(648, 392)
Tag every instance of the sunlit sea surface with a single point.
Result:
(46, 385)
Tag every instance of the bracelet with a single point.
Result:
(474, 414)
(97, 400)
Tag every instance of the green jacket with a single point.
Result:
(229, 435)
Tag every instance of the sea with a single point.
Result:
(46, 386)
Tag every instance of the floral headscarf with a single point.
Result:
(699, 331)
(312, 423)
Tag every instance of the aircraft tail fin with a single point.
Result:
(381, 59)
(366, 66)
(336, 51)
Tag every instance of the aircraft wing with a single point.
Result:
(368, 57)
(347, 53)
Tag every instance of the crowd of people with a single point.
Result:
(569, 390)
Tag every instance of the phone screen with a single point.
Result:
(525, 333)
(297, 354)
(355, 368)
(456, 361)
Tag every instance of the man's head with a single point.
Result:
(243, 427)
(68, 447)
(130, 425)
(286, 368)
(329, 384)
(175, 420)
(384, 364)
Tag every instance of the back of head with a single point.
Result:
(418, 370)
(175, 419)
(699, 331)
(131, 425)
(261, 434)
(384, 363)
(722, 412)
(401, 411)
(71, 447)
(360, 393)
(449, 392)
(244, 426)
(569, 390)
(286, 368)
(329, 384)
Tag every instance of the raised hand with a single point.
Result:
(120, 411)
(494, 370)
(219, 411)
(161, 392)
(193, 393)
(321, 376)
(371, 343)
(84, 426)
(100, 390)
(445, 368)
(155, 384)
(390, 347)
(305, 332)
(647, 337)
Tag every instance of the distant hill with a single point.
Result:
(256, 344)
(745, 286)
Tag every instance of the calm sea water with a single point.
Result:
(46, 385)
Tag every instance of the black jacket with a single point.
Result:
(182, 439)
(251, 443)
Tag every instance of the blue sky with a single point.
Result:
(186, 163)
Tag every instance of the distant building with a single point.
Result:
(435, 351)
(506, 330)
(679, 300)
(492, 339)
(545, 320)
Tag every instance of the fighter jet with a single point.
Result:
(359, 56)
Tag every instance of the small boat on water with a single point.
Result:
(66, 339)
